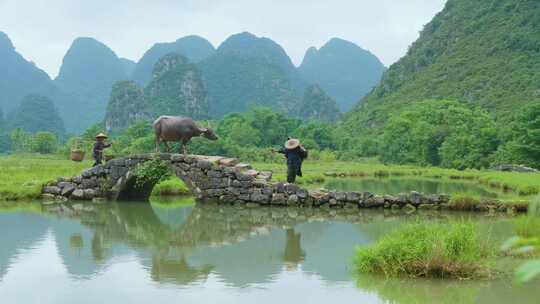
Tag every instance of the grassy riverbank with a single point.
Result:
(450, 250)
(22, 176)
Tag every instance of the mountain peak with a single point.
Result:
(246, 44)
(343, 69)
(5, 42)
(195, 48)
(310, 54)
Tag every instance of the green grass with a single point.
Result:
(450, 250)
(22, 176)
(519, 183)
(170, 187)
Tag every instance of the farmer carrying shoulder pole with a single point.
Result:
(99, 146)
(295, 154)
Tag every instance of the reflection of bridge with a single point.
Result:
(204, 239)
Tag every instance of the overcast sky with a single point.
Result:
(42, 30)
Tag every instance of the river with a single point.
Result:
(193, 253)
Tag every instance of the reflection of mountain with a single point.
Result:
(184, 244)
(16, 236)
(193, 246)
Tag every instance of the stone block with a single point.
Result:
(416, 198)
(228, 162)
(177, 158)
(68, 189)
(78, 194)
(302, 193)
(54, 190)
(259, 197)
(279, 188)
(279, 199)
(367, 195)
(266, 175)
(214, 173)
(292, 200)
(89, 183)
(353, 197)
(341, 196)
(244, 177)
(89, 194)
(242, 166)
(291, 188)
(204, 164)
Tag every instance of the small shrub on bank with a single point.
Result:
(427, 250)
(463, 202)
(171, 187)
(152, 172)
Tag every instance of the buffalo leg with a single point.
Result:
(167, 146)
(184, 148)
(157, 144)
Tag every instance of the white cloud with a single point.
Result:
(42, 30)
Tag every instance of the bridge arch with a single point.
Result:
(208, 177)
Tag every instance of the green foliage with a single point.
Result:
(88, 71)
(41, 142)
(20, 77)
(426, 250)
(481, 52)
(177, 88)
(526, 243)
(235, 83)
(317, 105)
(21, 141)
(127, 103)
(445, 133)
(151, 172)
(37, 113)
(44, 143)
(523, 146)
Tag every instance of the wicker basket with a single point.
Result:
(77, 155)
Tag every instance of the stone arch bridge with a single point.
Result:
(225, 180)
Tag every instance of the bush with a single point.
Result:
(152, 172)
(44, 143)
(426, 250)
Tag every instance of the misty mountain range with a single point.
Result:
(243, 71)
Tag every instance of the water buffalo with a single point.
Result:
(179, 129)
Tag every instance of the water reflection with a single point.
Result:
(279, 250)
(400, 185)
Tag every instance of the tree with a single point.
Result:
(20, 140)
(37, 113)
(44, 143)
(446, 133)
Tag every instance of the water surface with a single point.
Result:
(143, 253)
(396, 185)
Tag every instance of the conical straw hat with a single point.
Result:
(292, 143)
(101, 135)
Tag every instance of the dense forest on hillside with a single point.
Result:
(483, 52)
(87, 74)
(464, 96)
(36, 113)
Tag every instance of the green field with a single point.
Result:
(22, 176)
